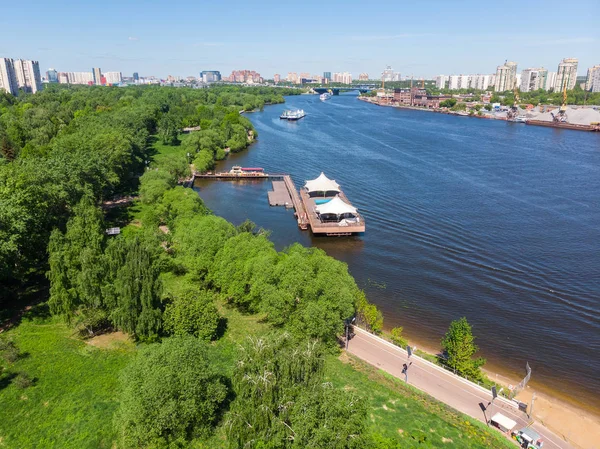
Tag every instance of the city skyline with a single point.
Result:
(450, 38)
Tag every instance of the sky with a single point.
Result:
(181, 38)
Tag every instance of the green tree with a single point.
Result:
(459, 347)
(170, 394)
(132, 289)
(153, 184)
(281, 400)
(192, 313)
(450, 102)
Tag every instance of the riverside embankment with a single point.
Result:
(479, 218)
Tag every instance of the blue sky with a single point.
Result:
(182, 38)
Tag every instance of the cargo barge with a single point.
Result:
(564, 125)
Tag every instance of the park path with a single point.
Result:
(444, 385)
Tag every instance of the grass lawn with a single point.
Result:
(403, 414)
(72, 400)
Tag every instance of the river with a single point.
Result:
(495, 221)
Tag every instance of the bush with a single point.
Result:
(22, 381)
(9, 350)
(170, 394)
(193, 313)
(397, 337)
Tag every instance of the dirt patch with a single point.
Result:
(446, 440)
(344, 357)
(109, 341)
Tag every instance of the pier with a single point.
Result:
(285, 194)
(329, 228)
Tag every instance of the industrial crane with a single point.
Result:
(514, 109)
(561, 117)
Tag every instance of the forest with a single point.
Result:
(174, 281)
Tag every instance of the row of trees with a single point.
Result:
(67, 142)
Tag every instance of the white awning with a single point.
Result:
(322, 184)
(503, 422)
(336, 206)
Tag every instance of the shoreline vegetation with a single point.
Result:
(253, 323)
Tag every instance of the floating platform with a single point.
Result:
(280, 196)
(329, 228)
(228, 175)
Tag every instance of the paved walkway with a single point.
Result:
(443, 385)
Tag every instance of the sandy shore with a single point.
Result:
(579, 427)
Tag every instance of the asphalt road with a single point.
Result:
(443, 385)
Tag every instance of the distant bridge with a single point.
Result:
(363, 88)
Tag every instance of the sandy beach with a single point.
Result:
(576, 425)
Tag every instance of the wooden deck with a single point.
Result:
(280, 196)
(231, 176)
(321, 228)
(286, 194)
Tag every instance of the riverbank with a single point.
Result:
(451, 230)
(575, 422)
(578, 119)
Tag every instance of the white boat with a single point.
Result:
(325, 96)
(292, 115)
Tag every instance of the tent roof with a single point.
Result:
(322, 184)
(336, 206)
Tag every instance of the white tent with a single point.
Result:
(336, 206)
(322, 184)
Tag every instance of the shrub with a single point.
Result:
(170, 394)
(22, 381)
(193, 313)
(397, 337)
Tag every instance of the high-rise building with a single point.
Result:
(388, 74)
(459, 82)
(506, 76)
(550, 81)
(277, 78)
(210, 76)
(480, 82)
(344, 78)
(327, 76)
(595, 83)
(97, 74)
(363, 77)
(566, 74)
(136, 76)
(533, 79)
(28, 75)
(8, 79)
(440, 81)
(589, 79)
(52, 76)
(113, 77)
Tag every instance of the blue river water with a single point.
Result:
(495, 221)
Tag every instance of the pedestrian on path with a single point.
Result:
(405, 371)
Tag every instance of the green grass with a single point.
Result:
(402, 413)
(73, 398)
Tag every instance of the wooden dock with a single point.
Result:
(329, 228)
(280, 195)
(285, 194)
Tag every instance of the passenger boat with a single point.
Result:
(292, 115)
(325, 96)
